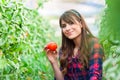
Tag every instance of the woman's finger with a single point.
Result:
(54, 52)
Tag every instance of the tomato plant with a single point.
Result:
(23, 33)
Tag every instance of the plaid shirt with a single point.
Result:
(94, 72)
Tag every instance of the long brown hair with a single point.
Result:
(68, 45)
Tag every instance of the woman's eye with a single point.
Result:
(63, 25)
(71, 23)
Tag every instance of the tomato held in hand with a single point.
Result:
(52, 46)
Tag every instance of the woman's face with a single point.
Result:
(71, 30)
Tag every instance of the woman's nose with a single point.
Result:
(67, 27)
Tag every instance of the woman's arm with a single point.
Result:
(52, 57)
(95, 64)
(58, 74)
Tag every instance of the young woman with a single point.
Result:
(80, 55)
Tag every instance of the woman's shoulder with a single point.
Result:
(92, 41)
(95, 46)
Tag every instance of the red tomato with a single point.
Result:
(52, 46)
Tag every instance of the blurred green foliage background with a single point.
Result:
(23, 35)
(110, 38)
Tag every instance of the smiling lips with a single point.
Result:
(69, 33)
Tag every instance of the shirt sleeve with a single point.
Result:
(95, 64)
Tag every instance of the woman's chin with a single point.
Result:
(71, 37)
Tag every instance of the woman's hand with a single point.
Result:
(51, 55)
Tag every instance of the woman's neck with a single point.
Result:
(77, 41)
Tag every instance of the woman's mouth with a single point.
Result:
(69, 33)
